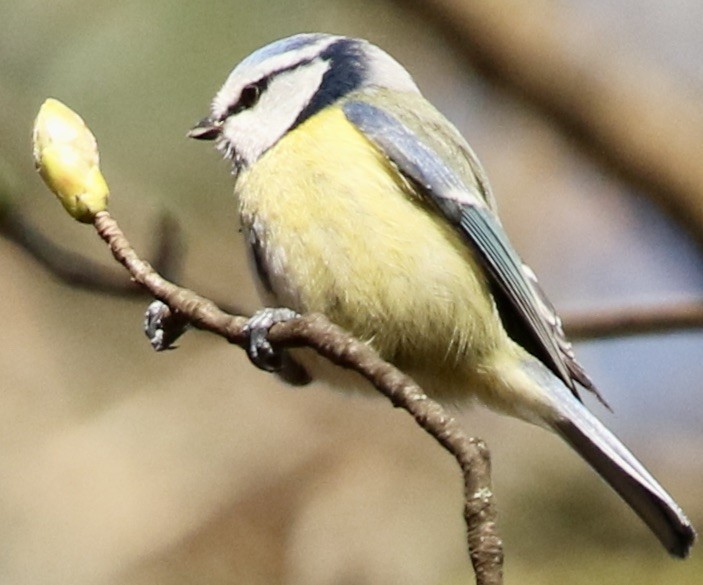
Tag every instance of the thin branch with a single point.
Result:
(332, 342)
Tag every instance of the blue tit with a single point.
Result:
(359, 200)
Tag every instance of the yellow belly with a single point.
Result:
(343, 234)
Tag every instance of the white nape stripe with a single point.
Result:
(385, 71)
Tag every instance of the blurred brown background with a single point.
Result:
(121, 466)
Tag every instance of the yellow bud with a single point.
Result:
(66, 156)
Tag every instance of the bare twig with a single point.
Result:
(315, 331)
(627, 112)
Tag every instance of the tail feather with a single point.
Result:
(617, 466)
(604, 452)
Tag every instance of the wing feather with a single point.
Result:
(462, 195)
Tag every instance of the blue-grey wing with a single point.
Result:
(461, 194)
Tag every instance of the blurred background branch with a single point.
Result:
(79, 271)
(628, 113)
(76, 270)
(127, 467)
(605, 323)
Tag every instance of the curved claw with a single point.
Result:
(260, 351)
(163, 326)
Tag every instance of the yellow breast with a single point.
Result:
(345, 235)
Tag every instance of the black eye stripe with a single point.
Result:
(248, 97)
(250, 94)
(347, 70)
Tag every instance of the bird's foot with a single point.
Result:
(260, 351)
(163, 326)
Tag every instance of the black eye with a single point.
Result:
(249, 96)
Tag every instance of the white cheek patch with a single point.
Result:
(256, 130)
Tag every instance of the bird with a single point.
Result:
(361, 201)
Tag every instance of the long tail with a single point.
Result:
(615, 464)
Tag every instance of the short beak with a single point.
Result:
(206, 129)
